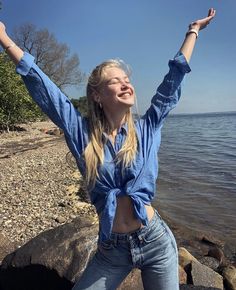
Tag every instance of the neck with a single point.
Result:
(115, 122)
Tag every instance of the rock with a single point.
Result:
(210, 262)
(230, 251)
(201, 275)
(217, 253)
(60, 219)
(182, 276)
(190, 287)
(212, 240)
(132, 282)
(229, 274)
(185, 257)
(55, 259)
(6, 246)
(57, 132)
(81, 204)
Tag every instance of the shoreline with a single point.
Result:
(40, 191)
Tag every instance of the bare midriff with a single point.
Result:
(125, 220)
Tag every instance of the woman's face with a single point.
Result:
(116, 89)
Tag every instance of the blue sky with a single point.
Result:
(145, 34)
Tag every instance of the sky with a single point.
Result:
(145, 34)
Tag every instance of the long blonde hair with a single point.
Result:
(94, 152)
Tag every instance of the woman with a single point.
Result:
(117, 157)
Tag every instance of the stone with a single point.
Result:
(217, 253)
(190, 287)
(56, 132)
(6, 246)
(132, 282)
(229, 274)
(55, 259)
(212, 240)
(202, 275)
(210, 262)
(60, 219)
(182, 276)
(185, 257)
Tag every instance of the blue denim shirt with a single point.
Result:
(138, 181)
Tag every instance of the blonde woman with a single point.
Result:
(118, 158)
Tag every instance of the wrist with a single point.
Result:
(5, 40)
(192, 31)
(194, 25)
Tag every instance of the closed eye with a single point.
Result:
(117, 80)
(113, 81)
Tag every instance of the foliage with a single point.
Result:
(50, 55)
(81, 105)
(16, 106)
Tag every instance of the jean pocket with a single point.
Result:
(107, 245)
(155, 234)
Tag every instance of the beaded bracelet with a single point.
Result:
(194, 31)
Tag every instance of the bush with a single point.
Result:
(16, 105)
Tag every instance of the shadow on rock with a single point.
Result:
(33, 277)
(189, 287)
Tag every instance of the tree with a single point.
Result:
(16, 106)
(81, 105)
(51, 56)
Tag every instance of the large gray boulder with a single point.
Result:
(204, 276)
(52, 260)
(229, 274)
(55, 259)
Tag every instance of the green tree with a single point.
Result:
(81, 105)
(16, 106)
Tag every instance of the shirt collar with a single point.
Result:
(123, 129)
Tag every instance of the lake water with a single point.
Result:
(197, 172)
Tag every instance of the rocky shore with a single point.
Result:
(38, 188)
(41, 192)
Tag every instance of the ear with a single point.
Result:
(96, 96)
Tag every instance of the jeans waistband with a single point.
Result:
(140, 233)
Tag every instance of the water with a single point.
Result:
(197, 176)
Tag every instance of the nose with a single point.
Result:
(124, 85)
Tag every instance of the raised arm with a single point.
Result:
(14, 52)
(192, 34)
(47, 95)
(169, 91)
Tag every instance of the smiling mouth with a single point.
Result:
(125, 95)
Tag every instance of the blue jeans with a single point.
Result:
(152, 249)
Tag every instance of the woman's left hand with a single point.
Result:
(202, 23)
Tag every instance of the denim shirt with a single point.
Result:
(138, 181)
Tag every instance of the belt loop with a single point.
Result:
(115, 239)
(157, 213)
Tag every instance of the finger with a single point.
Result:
(209, 18)
(210, 11)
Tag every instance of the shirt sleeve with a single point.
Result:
(53, 103)
(168, 93)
